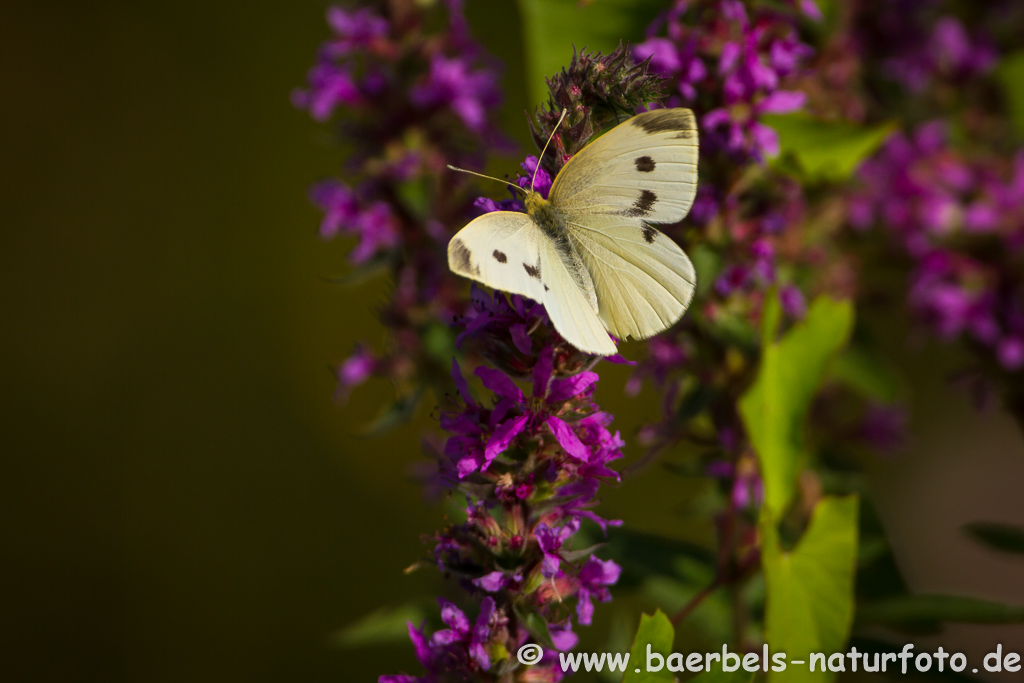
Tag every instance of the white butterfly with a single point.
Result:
(588, 252)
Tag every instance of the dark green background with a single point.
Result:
(181, 501)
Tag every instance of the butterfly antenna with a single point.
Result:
(481, 175)
(553, 130)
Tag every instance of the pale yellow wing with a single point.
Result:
(507, 251)
(644, 281)
(644, 169)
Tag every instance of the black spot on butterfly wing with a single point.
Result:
(680, 121)
(500, 257)
(649, 234)
(644, 164)
(532, 271)
(461, 257)
(642, 206)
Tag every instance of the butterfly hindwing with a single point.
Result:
(644, 281)
(644, 169)
(571, 301)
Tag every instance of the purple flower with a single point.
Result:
(548, 396)
(356, 369)
(453, 83)
(595, 577)
(354, 30)
(330, 86)
(551, 541)
(793, 302)
(372, 224)
(1011, 353)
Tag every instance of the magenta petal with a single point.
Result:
(460, 383)
(549, 566)
(419, 643)
(479, 653)
(500, 383)
(503, 436)
(467, 466)
(597, 572)
(520, 338)
(542, 371)
(444, 637)
(782, 102)
(564, 389)
(764, 139)
(453, 617)
(563, 638)
(567, 439)
(584, 607)
(491, 583)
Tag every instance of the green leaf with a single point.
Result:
(826, 150)
(1004, 537)
(382, 626)
(867, 373)
(398, 413)
(657, 632)
(642, 555)
(933, 609)
(713, 618)
(774, 407)
(810, 588)
(552, 27)
(536, 625)
(439, 341)
(1011, 75)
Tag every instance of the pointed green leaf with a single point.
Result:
(1004, 537)
(773, 409)
(655, 631)
(826, 150)
(552, 27)
(868, 374)
(536, 625)
(382, 626)
(398, 413)
(810, 588)
(1011, 76)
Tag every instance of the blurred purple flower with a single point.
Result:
(373, 224)
(453, 82)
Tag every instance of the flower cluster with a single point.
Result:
(961, 222)
(733, 65)
(732, 68)
(529, 464)
(920, 48)
(410, 92)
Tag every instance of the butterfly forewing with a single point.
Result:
(644, 169)
(508, 251)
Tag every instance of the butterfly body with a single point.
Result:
(588, 251)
